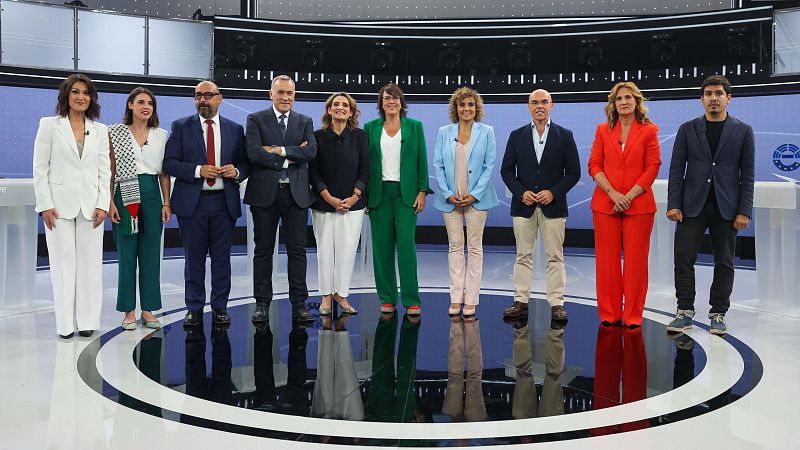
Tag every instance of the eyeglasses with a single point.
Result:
(205, 95)
(537, 102)
(390, 98)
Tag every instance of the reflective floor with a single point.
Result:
(389, 380)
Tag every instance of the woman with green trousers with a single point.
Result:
(398, 184)
(140, 206)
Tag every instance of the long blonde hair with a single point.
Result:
(352, 122)
(640, 111)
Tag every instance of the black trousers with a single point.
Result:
(688, 236)
(294, 220)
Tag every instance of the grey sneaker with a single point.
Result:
(684, 342)
(681, 322)
(718, 326)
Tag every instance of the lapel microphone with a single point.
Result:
(455, 139)
(87, 133)
(145, 143)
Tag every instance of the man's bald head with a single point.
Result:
(540, 104)
(207, 107)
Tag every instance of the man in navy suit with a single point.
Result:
(206, 155)
(711, 182)
(280, 143)
(539, 167)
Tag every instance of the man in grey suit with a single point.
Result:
(280, 143)
(711, 181)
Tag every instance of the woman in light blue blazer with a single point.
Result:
(463, 164)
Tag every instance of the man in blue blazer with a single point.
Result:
(711, 182)
(539, 167)
(280, 144)
(206, 155)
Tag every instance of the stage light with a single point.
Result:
(382, 56)
(590, 53)
(244, 49)
(520, 57)
(741, 42)
(450, 56)
(663, 49)
(313, 54)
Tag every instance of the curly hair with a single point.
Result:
(640, 111)
(62, 106)
(460, 95)
(352, 122)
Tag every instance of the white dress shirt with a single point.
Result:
(540, 141)
(286, 122)
(390, 156)
(218, 185)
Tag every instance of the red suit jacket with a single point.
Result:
(638, 164)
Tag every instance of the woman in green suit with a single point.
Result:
(398, 184)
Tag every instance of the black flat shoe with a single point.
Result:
(220, 317)
(66, 336)
(193, 319)
(301, 314)
(261, 314)
(85, 333)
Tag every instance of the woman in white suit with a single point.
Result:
(463, 163)
(71, 175)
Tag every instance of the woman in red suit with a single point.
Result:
(624, 163)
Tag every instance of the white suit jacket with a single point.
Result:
(64, 181)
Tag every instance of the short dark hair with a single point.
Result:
(392, 89)
(127, 119)
(62, 107)
(716, 80)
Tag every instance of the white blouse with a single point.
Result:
(150, 157)
(390, 156)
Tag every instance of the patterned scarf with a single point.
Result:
(126, 180)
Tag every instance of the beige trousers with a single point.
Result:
(465, 280)
(525, 233)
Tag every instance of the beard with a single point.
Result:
(205, 111)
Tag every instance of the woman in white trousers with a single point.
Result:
(463, 163)
(339, 174)
(71, 175)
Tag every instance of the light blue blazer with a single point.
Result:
(480, 163)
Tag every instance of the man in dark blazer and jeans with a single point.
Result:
(540, 166)
(280, 143)
(711, 182)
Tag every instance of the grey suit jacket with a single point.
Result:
(263, 130)
(732, 169)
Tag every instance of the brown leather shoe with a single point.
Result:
(558, 313)
(518, 309)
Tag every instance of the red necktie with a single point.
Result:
(212, 160)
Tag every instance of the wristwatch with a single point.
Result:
(273, 147)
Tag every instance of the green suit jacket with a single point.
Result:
(413, 161)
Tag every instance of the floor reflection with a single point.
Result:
(393, 368)
(620, 365)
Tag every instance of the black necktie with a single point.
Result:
(282, 124)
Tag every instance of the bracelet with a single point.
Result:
(167, 206)
(357, 194)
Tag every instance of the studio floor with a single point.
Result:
(388, 380)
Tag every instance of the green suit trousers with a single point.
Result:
(393, 224)
(142, 249)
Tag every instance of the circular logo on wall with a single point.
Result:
(786, 157)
